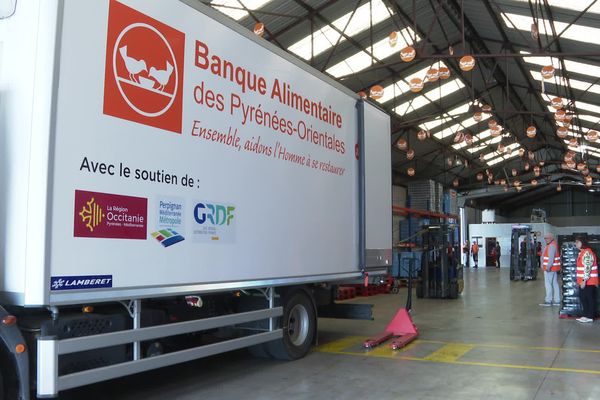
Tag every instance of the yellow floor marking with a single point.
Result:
(383, 350)
(509, 346)
(449, 352)
(338, 345)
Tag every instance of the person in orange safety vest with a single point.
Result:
(587, 280)
(551, 267)
(475, 253)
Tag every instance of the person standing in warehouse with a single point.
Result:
(587, 280)
(551, 267)
(498, 254)
(475, 252)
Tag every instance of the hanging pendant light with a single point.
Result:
(480, 176)
(393, 38)
(527, 166)
(534, 182)
(519, 188)
(455, 182)
(376, 92)
(548, 72)
(410, 154)
(585, 171)
(503, 181)
(592, 136)
(556, 103)
(450, 161)
(580, 166)
(562, 132)
(468, 139)
(410, 171)
(521, 152)
(467, 63)
(514, 172)
(542, 162)
(559, 115)
(477, 117)
(432, 75)
(598, 168)
(531, 155)
(571, 164)
(422, 135)
(492, 123)
(486, 108)
(558, 188)
(259, 29)
(402, 144)
(531, 132)
(416, 85)
(459, 137)
(408, 54)
(362, 95)
(444, 73)
(496, 131)
(537, 170)
(500, 148)
(588, 181)
(517, 183)
(573, 142)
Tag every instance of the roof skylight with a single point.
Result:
(576, 32)
(236, 11)
(327, 37)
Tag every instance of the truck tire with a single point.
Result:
(299, 325)
(9, 382)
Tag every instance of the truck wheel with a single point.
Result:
(299, 325)
(9, 383)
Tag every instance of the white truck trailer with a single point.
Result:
(165, 174)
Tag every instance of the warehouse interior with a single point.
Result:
(495, 112)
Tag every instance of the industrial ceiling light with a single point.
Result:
(496, 131)
(376, 92)
(259, 29)
(562, 132)
(449, 161)
(571, 164)
(410, 171)
(536, 170)
(588, 181)
(393, 38)
(362, 95)
(410, 154)
(592, 136)
(416, 85)
(585, 171)
(503, 181)
(530, 155)
(468, 139)
(422, 134)
(459, 137)
(444, 73)
(402, 144)
(517, 183)
(598, 168)
(486, 108)
(527, 166)
(519, 188)
(580, 166)
(408, 54)
(558, 188)
(559, 115)
(501, 148)
(455, 182)
(467, 63)
(521, 152)
(477, 117)
(542, 162)
(531, 132)
(573, 142)
(480, 176)
(557, 103)
(534, 182)
(432, 75)
(548, 72)
(514, 172)
(492, 123)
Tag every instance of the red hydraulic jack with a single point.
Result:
(401, 328)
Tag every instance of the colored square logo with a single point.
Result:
(104, 215)
(143, 79)
(167, 237)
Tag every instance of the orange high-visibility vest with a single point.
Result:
(587, 266)
(475, 248)
(551, 265)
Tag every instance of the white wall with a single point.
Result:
(502, 233)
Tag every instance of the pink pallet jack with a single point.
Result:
(401, 328)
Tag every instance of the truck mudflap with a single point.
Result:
(17, 351)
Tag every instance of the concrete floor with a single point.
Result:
(494, 342)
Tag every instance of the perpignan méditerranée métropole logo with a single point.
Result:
(143, 79)
(167, 237)
(105, 215)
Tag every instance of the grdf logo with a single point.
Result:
(143, 79)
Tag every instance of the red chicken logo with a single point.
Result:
(144, 69)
